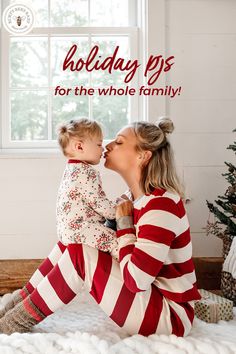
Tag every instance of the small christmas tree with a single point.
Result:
(225, 208)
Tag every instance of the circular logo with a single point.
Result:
(18, 19)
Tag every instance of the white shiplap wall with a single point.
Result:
(202, 36)
(28, 190)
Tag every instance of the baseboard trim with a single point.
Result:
(14, 273)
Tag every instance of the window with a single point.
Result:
(32, 68)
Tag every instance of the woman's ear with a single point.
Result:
(145, 157)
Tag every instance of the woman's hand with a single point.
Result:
(124, 208)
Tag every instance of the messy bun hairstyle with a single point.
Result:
(160, 171)
(80, 128)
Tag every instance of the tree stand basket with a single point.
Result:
(228, 283)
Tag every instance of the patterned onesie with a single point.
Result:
(82, 207)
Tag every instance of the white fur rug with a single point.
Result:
(81, 328)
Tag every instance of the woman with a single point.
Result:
(153, 288)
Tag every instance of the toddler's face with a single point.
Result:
(92, 150)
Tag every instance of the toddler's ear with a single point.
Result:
(79, 145)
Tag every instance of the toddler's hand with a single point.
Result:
(122, 198)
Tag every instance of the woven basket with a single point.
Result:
(228, 283)
(227, 240)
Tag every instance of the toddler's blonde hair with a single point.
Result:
(80, 128)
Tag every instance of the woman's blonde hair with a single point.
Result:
(160, 171)
(80, 128)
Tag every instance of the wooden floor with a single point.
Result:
(15, 273)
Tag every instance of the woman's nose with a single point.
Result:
(108, 146)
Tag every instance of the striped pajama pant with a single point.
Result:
(69, 268)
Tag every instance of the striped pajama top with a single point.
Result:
(158, 249)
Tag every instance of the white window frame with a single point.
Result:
(137, 106)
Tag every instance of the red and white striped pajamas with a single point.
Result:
(151, 290)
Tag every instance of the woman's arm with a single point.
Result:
(141, 258)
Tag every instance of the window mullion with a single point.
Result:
(89, 12)
(49, 13)
(49, 90)
(49, 76)
(90, 99)
(134, 100)
(132, 12)
(74, 31)
(5, 88)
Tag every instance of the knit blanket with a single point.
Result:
(82, 328)
(230, 261)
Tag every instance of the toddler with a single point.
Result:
(82, 205)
